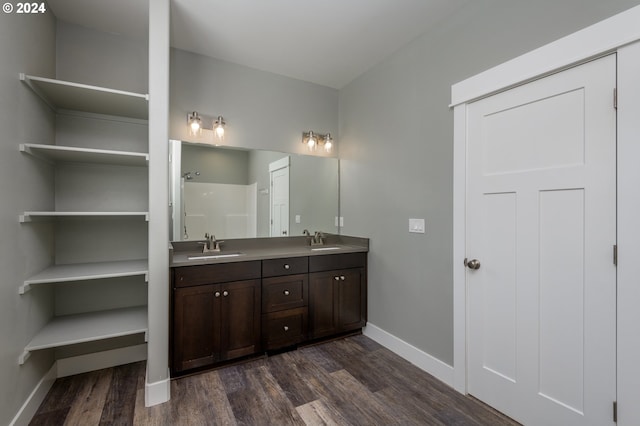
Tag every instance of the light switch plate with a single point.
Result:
(297, 218)
(416, 226)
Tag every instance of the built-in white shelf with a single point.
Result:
(31, 216)
(88, 327)
(87, 271)
(56, 153)
(61, 95)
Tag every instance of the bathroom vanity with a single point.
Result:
(263, 294)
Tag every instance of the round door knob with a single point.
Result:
(284, 232)
(342, 278)
(225, 293)
(472, 264)
(286, 266)
(286, 292)
(286, 328)
(336, 278)
(217, 294)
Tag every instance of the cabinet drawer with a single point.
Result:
(286, 266)
(329, 262)
(284, 328)
(187, 276)
(281, 293)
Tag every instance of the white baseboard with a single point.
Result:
(31, 405)
(99, 360)
(157, 392)
(417, 357)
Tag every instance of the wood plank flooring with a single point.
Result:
(351, 381)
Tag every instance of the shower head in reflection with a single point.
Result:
(189, 176)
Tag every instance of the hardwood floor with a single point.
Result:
(351, 381)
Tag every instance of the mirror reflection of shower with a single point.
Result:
(189, 176)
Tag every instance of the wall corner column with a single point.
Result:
(157, 389)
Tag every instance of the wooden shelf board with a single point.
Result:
(85, 155)
(61, 94)
(88, 327)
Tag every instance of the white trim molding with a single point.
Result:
(99, 360)
(417, 357)
(619, 34)
(157, 392)
(31, 405)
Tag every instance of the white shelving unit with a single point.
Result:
(88, 327)
(87, 271)
(87, 100)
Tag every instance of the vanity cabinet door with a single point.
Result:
(337, 301)
(196, 330)
(240, 319)
(215, 322)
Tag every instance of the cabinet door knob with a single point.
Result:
(217, 294)
(286, 292)
(286, 266)
(342, 277)
(225, 293)
(286, 328)
(337, 278)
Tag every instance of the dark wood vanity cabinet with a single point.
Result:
(215, 321)
(337, 297)
(229, 310)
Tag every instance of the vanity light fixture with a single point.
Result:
(196, 124)
(218, 128)
(313, 140)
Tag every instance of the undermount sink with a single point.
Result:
(214, 256)
(324, 248)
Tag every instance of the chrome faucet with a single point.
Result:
(211, 244)
(317, 239)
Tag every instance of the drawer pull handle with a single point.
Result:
(217, 294)
(286, 328)
(286, 292)
(286, 266)
(225, 293)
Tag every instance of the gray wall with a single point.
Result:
(262, 110)
(26, 45)
(230, 166)
(403, 169)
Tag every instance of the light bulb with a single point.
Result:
(195, 124)
(311, 142)
(328, 142)
(218, 127)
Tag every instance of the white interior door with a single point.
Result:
(541, 208)
(279, 173)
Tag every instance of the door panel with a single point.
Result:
(541, 220)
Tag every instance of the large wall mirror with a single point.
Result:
(241, 193)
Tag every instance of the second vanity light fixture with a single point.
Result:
(313, 140)
(195, 122)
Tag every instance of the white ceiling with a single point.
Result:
(328, 42)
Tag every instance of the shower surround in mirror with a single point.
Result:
(230, 192)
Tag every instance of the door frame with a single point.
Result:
(619, 34)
